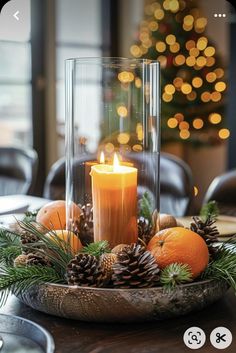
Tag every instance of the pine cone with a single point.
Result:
(37, 259)
(84, 226)
(28, 237)
(20, 261)
(135, 267)
(144, 229)
(206, 230)
(84, 270)
(107, 260)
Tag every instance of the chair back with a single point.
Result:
(18, 169)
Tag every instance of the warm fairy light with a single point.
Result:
(167, 97)
(169, 89)
(109, 147)
(201, 61)
(123, 138)
(186, 88)
(192, 96)
(209, 51)
(211, 77)
(205, 96)
(220, 86)
(138, 82)
(179, 117)
(190, 61)
(172, 123)
(159, 14)
(153, 26)
(219, 72)
(135, 51)
(178, 81)
(162, 60)
(140, 132)
(216, 96)
(198, 123)
(180, 59)
(197, 82)
(122, 111)
(166, 4)
(102, 158)
(195, 190)
(182, 5)
(194, 52)
(188, 20)
(160, 47)
(170, 39)
(201, 22)
(202, 43)
(224, 133)
(126, 76)
(190, 44)
(184, 125)
(174, 48)
(137, 148)
(143, 50)
(210, 61)
(187, 28)
(215, 118)
(174, 6)
(184, 134)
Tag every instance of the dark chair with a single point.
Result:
(223, 190)
(176, 183)
(18, 168)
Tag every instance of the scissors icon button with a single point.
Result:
(221, 337)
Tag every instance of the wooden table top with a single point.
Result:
(164, 336)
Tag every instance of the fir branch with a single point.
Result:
(223, 266)
(8, 238)
(210, 210)
(96, 249)
(175, 274)
(146, 207)
(19, 279)
(30, 216)
(8, 254)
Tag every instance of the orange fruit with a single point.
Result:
(68, 236)
(180, 245)
(53, 214)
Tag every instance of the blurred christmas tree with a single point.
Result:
(193, 100)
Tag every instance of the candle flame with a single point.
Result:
(102, 158)
(116, 162)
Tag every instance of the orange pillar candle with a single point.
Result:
(114, 192)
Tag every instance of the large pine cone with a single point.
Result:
(84, 270)
(84, 226)
(145, 231)
(135, 267)
(37, 259)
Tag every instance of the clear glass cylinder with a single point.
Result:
(112, 146)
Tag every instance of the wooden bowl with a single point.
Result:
(122, 305)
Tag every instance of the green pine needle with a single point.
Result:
(8, 254)
(175, 274)
(146, 207)
(19, 279)
(96, 249)
(223, 266)
(210, 210)
(8, 238)
(30, 216)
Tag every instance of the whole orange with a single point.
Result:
(180, 245)
(53, 214)
(68, 237)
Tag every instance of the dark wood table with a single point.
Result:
(165, 336)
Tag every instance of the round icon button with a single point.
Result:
(221, 337)
(194, 337)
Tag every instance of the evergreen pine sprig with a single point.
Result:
(19, 279)
(96, 249)
(223, 266)
(175, 274)
(146, 207)
(210, 210)
(30, 216)
(8, 254)
(8, 238)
